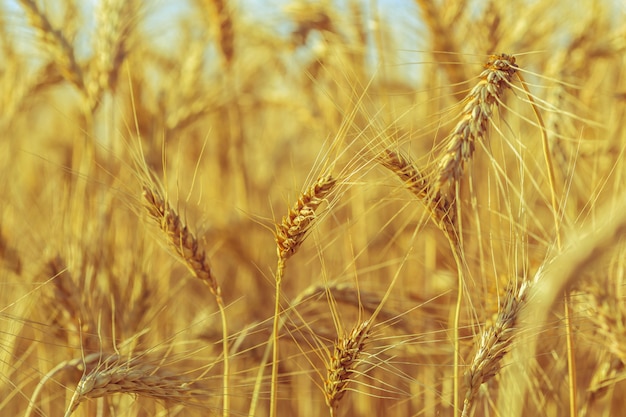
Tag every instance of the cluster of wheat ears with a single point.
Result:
(455, 247)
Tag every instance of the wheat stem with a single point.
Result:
(571, 362)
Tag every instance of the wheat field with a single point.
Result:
(312, 208)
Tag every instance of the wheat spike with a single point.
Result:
(135, 376)
(111, 49)
(495, 342)
(441, 208)
(445, 47)
(56, 42)
(183, 241)
(475, 117)
(221, 19)
(343, 363)
(295, 226)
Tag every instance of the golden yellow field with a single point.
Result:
(312, 208)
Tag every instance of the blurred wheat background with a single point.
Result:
(308, 208)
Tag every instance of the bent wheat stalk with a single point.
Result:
(553, 279)
(85, 362)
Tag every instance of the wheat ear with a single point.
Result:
(445, 48)
(181, 239)
(295, 226)
(59, 47)
(112, 39)
(441, 208)
(188, 249)
(495, 342)
(343, 363)
(221, 19)
(475, 117)
(138, 377)
(290, 234)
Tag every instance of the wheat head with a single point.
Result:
(345, 359)
(474, 122)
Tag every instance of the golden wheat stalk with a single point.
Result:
(343, 363)
(136, 376)
(474, 123)
(495, 342)
(74, 364)
(553, 279)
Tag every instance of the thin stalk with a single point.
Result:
(571, 363)
(280, 270)
(226, 384)
(549, 164)
(455, 244)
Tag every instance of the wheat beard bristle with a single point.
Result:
(475, 117)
